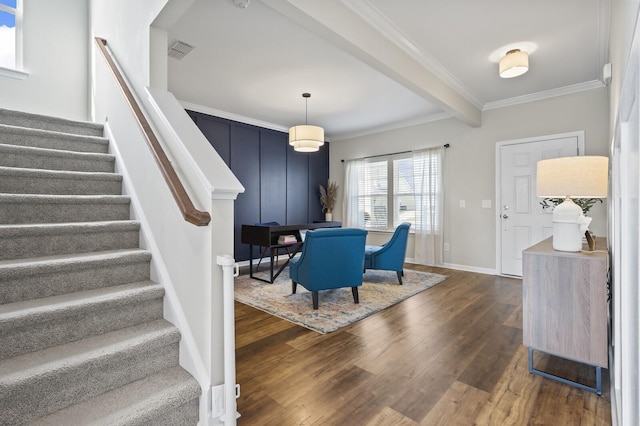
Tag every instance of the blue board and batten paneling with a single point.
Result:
(218, 134)
(280, 184)
(297, 187)
(273, 176)
(245, 162)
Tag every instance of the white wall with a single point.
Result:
(125, 25)
(624, 362)
(470, 163)
(55, 56)
(184, 255)
(623, 21)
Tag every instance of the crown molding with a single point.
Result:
(397, 125)
(561, 91)
(368, 13)
(231, 116)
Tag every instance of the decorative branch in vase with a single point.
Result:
(328, 199)
(584, 203)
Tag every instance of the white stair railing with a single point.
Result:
(230, 270)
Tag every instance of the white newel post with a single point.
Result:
(230, 270)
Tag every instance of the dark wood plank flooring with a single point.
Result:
(451, 355)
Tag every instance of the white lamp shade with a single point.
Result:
(575, 177)
(306, 138)
(514, 63)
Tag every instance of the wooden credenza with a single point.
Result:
(565, 306)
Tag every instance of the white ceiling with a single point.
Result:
(377, 64)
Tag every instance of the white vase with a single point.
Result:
(328, 216)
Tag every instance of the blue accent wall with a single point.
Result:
(281, 184)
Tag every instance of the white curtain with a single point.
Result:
(428, 187)
(352, 216)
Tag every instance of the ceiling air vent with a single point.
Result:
(179, 49)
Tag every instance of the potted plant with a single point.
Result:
(328, 199)
(584, 203)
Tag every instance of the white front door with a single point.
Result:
(523, 221)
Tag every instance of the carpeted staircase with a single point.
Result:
(82, 338)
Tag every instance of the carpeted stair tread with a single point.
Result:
(36, 240)
(50, 361)
(39, 208)
(61, 263)
(13, 135)
(54, 159)
(39, 383)
(12, 231)
(37, 121)
(16, 180)
(36, 324)
(23, 279)
(144, 401)
(28, 312)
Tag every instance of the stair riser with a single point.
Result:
(37, 185)
(53, 332)
(48, 245)
(35, 284)
(77, 144)
(33, 121)
(168, 398)
(186, 414)
(36, 212)
(42, 395)
(74, 163)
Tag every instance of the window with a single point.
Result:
(382, 192)
(10, 53)
(386, 190)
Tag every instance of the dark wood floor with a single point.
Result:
(451, 355)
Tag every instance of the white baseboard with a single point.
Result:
(467, 268)
(487, 271)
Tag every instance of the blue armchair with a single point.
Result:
(331, 258)
(390, 256)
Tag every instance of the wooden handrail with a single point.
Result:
(189, 212)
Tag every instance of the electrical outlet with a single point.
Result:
(446, 246)
(463, 204)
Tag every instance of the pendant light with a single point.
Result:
(304, 137)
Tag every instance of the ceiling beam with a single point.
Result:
(336, 22)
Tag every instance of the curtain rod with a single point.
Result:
(446, 145)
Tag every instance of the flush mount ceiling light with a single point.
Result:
(514, 63)
(306, 138)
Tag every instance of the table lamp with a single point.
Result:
(571, 177)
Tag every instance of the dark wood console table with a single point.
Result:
(267, 236)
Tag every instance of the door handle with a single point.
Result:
(504, 216)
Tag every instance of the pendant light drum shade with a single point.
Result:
(304, 137)
(514, 63)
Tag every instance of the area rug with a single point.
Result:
(379, 290)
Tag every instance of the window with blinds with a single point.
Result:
(374, 194)
(386, 192)
(389, 188)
